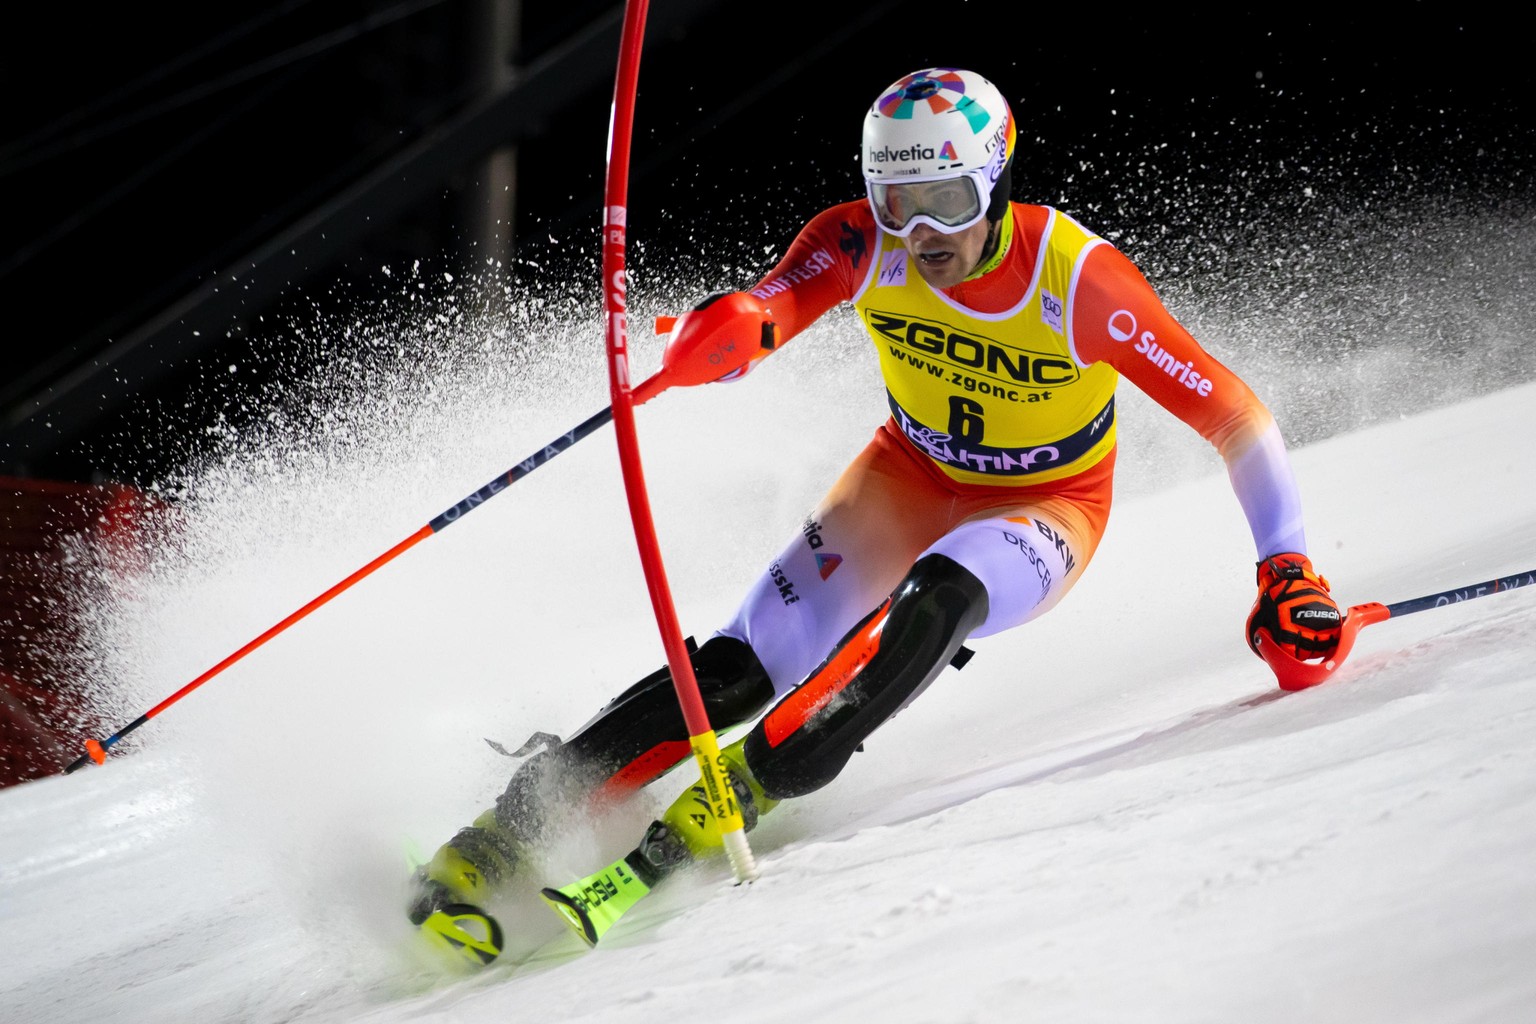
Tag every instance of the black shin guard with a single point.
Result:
(808, 737)
(640, 733)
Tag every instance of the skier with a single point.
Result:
(1002, 330)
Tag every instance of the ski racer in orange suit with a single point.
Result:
(1002, 330)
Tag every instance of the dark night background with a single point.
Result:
(179, 183)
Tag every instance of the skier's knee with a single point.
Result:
(732, 683)
(637, 723)
(881, 665)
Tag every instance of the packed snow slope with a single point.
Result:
(1110, 815)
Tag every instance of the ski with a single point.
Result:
(593, 905)
(688, 830)
(456, 931)
(465, 933)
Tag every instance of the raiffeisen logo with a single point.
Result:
(1122, 327)
(887, 155)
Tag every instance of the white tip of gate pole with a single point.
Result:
(740, 853)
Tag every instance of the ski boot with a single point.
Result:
(450, 892)
(687, 831)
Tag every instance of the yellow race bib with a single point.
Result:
(992, 398)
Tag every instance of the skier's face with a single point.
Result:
(946, 260)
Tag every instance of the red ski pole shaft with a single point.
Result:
(97, 750)
(700, 356)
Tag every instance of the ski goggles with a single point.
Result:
(947, 205)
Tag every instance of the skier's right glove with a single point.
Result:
(722, 336)
(1294, 608)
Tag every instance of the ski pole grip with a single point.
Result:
(1294, 674)
(715, 339)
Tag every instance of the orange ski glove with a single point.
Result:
(1294, 608)
(734, 328)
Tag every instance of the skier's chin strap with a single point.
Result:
(999, 240)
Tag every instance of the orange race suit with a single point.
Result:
(974, 508)
(1001, 440)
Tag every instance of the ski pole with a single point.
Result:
(702, 738)
(1299, 675)
(696, 356)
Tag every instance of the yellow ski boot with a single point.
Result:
(686, 831)
(450, 891)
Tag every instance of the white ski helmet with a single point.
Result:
(938, 148)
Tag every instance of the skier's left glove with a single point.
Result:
(1294, 608)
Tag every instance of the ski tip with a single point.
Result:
(470, 936)
(594, 904)
(572, 913)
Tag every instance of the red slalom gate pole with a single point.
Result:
(706, 746)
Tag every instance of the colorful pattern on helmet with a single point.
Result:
(939, 93)
(937, 123)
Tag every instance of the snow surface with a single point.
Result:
(1110, 815)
